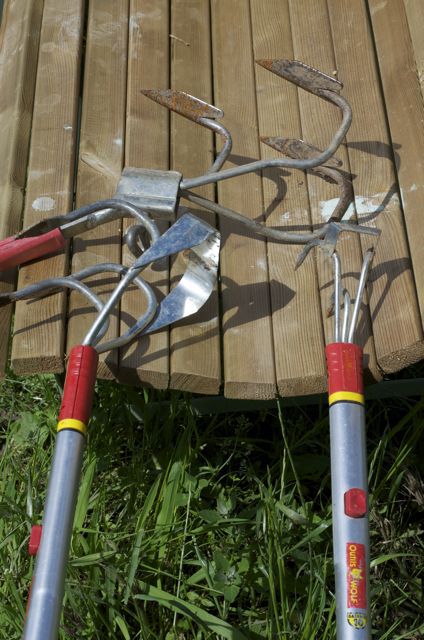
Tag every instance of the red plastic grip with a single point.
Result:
(14, 251)
(344, 366)
(79, 384)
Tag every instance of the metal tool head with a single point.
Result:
(93, 215)
(344, 328)
(187, 234)
(302, 75)
(327, 243)
(301, 150)
(183, 103)
(75, 282)
(298, 149)
(198, 111)
(199, 241)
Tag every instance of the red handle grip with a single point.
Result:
(79, 384)
(14, 251)
(344, 365)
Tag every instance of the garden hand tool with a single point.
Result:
(349, 463)
(200, 242)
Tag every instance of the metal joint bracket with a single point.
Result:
(151, 190)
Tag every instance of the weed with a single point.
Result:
(214, 527)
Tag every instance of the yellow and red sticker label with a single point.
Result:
(356, 576)
(357, 620)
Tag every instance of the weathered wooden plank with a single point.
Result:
(146, 145)
(415, 16)
(19, 38)
(100, 157)
(296, 310)
(247, 333)
(39, 325)
(195, 349)
(319, 122)
(395, 314)
(405, 111)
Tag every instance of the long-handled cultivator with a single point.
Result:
(143, 193)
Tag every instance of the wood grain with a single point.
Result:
(395, 315)
(195, 349)
(146, 145)
(247, 332)
(296, 311)
(405, 110)
(319, 121)
(40, 325)
(101, 155)
(19, 39)
(415, 16)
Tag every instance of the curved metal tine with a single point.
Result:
(366, 266)
(91, 216)
(328, 89)
(187, 232)
(198, 111)
(135, 329)
(346, 314)
(46, 287)
(300, 150)
(286, 237)
(337, 295)
(187, 297)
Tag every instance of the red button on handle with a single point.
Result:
(355, 503)
(34, 539)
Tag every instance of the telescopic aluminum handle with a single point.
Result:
(15, 251)
(42, 622)
(349, 490)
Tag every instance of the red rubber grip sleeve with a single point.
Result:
(79, 384)
(344, 366)
(14, 251)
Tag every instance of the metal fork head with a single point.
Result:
(344, 329)
(189, 234)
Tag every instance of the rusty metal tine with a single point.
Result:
(300, 150)
(303, 76)
(346, 190)
(184, 104)
(198, 111)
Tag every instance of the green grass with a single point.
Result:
(208, 527)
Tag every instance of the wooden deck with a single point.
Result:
(72, 116)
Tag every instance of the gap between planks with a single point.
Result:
(19, 40)
(40, 324)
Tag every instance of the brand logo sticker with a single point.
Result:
(356, 576)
